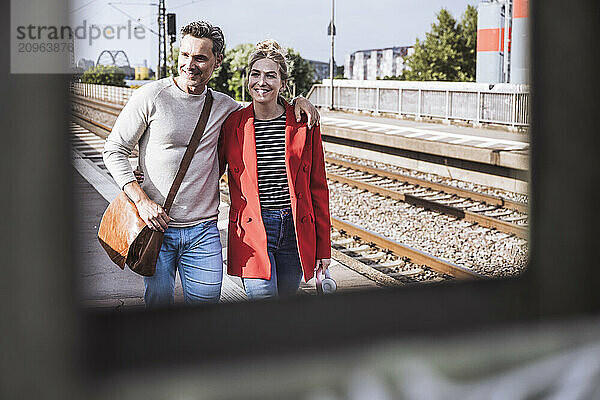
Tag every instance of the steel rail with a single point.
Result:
(95, 127)
(415, 256)
(366, 270)
(481, 219)
(108, 104)
(96, 105)
(489, 199)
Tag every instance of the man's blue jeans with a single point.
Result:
(286, 270)
(195, 252)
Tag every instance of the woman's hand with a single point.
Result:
(324, 263)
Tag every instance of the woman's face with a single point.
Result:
(264, 81)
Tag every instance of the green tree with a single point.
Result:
(302, 74)
(448, 51)
(236, 60)
(172, 59)
(220, 78)
(104, 75)
(393, 78)
(468, 29)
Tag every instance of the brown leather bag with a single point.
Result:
(124, 235)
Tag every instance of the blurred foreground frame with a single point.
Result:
(266, 330)
(50, 340)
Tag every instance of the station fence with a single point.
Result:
(112, 94)
(504, 104)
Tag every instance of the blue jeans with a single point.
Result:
(195, 252)
(286, 270)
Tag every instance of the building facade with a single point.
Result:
(321, 69)
(85, 64)
(376, 63)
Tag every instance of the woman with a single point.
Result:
(279, 214)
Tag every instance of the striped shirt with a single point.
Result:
(270, 156)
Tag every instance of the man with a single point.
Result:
(160, 117)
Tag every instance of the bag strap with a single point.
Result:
(190, 150)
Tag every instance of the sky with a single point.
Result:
(301, 25)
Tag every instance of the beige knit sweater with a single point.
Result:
(161, 118)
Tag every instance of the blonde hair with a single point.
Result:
(272, 50)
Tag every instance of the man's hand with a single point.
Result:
(151, 213)
(303, 105)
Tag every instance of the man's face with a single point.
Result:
(196, 61)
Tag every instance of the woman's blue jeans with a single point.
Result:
(286, 270)
(195, 252)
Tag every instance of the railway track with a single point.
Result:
(385, 261)
(93, 126)
(490, 199)
(112, 109)
(485, 210)
(376, 256)
(392, 258)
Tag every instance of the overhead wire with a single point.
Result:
(174, 8)
(186, 4)
(83, 6)
(133, 18)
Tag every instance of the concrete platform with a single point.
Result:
(485, 156)
(425, 123)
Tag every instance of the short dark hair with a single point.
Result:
(203, 29)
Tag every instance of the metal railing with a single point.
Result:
(504, 104)
(111, 94)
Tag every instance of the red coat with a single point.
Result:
(247, 240)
